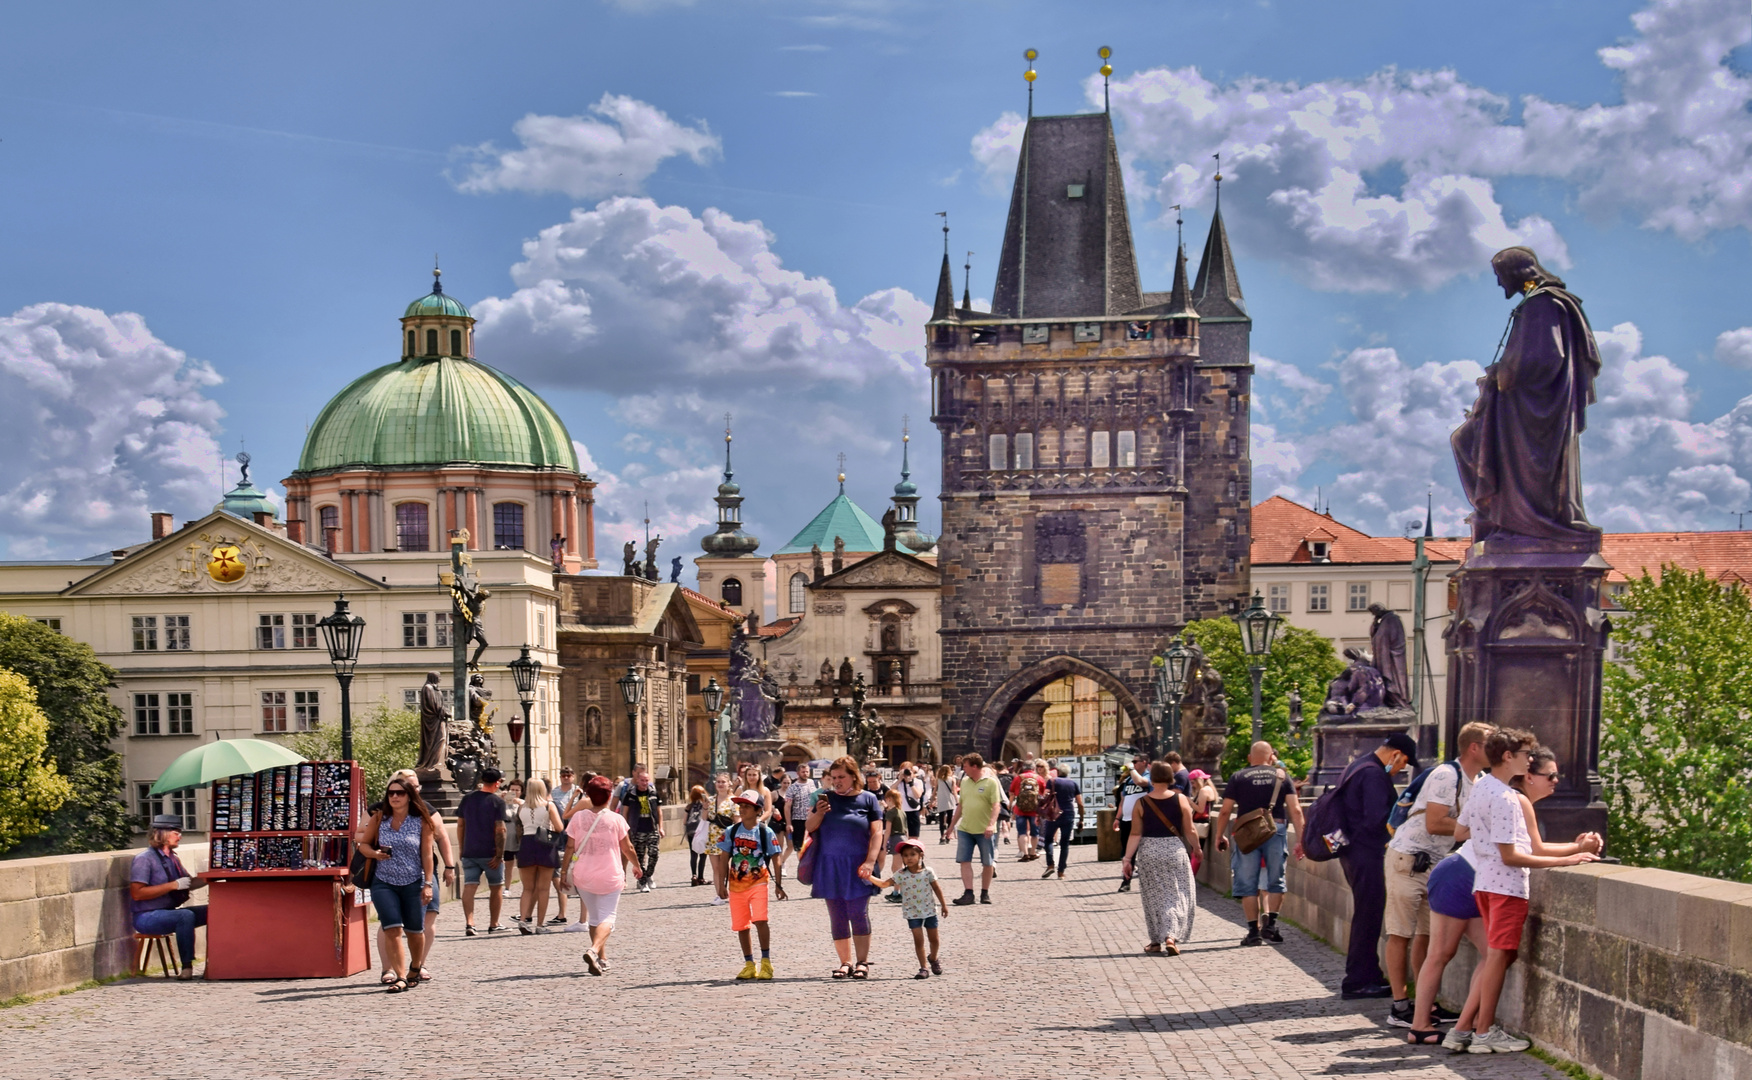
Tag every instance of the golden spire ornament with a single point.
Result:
(1030, 55)
(1106, 71)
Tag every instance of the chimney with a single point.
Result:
(295, 530)
(163, 524)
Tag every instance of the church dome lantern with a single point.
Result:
(729, 541)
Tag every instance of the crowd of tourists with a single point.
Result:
(1447, 858)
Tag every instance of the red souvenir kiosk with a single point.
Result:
(280, 845)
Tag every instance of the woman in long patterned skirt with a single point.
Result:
(1161, 833)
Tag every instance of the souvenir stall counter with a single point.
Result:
(280, 844)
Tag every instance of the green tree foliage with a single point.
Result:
(1300, 658)
(1675, 724)
(384, 740)
(72, 689)
(30, 789)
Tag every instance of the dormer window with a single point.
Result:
(1319, 551)
(1073, 191)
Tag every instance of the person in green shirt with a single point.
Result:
(976, 822)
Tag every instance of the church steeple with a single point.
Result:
(729, 540)
(906, 500)
(1217, 292)
(944, 308)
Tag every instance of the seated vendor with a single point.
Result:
(158, 886)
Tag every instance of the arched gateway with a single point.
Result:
(992, 725)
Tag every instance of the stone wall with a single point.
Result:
(65, 919)
(1639, 974)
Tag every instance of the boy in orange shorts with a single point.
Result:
(751, 845)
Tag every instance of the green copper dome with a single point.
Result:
(436, 411)
(435, 303)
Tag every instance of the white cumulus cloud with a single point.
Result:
(100, 422)
(612, 151)
(1734, 347)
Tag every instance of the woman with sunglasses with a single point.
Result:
(401, 841)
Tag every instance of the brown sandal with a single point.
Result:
(1152, 949)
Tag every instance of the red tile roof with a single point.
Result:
(1281, 529)
(778, 628)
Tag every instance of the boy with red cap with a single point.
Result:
(751, 845)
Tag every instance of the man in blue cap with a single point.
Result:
(1366, 789)
(158, 886)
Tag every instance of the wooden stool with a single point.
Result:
(168, 957)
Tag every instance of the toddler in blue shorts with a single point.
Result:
(917, 883)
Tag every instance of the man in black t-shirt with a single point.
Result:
(480, 833)
(1182, 778)
(1248, 790)
(639, 801)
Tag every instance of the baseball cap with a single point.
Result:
(1403, 743)
(909, 842)
(745, 799)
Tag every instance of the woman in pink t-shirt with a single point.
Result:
(596, 848)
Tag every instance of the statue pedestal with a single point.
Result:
(1525, 649)
(1336, 745)
(762, 752)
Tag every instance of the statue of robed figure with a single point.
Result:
(433, 720)
(1519, 449)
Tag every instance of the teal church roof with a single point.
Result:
(842, 518)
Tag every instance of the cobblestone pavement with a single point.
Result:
(1048, 980)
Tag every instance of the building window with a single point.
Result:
(306, 715)
(329, 517)
(541, 638)
(456, 343)
(799, 590)
(1234, 489)
(145, 633)
(176, 633)
(53, 622)
(441, 629)
(508, 526)
(1319, 598)
(731, 591)
(414, 628)
(1278, 598)
(1234, 445)
(431, 343)
(180, 802)
(410, 527)
(1357, 598)
(304, 631)
(270, 631)
(1086, 331)
(1037, 334)
(998, 451)
(273, 710)
(147, 717)
(413, 343)
(1025, 450)
(411, 700)
(179, 714)
(1099, 450)
(1127, 450)
(541, 706)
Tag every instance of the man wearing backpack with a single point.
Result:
(638, 801)
(1366, 798)
(1025, 792)
(1424, 838)
(1265, 789)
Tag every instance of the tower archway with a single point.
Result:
(999, 710)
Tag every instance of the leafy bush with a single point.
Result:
(1675, 722)
(384, 740)
(72, 689)
(30, 789)
(1299, 657)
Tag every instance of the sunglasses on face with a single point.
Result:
(394, 791)
(1552, 775)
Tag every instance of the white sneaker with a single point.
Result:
(592, 962)
(716, 900)
(575, 928)
(1497, 1041)
(1457, 1040)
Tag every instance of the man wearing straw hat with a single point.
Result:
(158, 886)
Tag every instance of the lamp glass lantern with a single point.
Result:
(342, 633)
(712, 697)
(524, 671)
(1258, 627)
(1174, 669)
(632, 687)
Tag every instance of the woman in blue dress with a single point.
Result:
(848, 847)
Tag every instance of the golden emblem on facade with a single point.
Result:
(225, 564)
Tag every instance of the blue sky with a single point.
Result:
(214, 215)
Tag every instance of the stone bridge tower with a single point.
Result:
(1095, 451)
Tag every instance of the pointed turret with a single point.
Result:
(1217, 292)
(906, 503)
(945, 305)
(729, 540)
(1180, 300)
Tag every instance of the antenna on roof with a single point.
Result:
(1030, 55)
(944, 214)
(1219, 179)
(1179, 240)
(1106, 70)
(1741, 514)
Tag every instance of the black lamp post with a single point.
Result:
(1296, 736)
(524, 671)
(1258, 627)
(1171, 688)
(632, 688)
(712, 697)
(342, 633)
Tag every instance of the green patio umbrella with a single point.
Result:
(217, 760)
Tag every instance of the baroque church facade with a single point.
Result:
(1095, 483)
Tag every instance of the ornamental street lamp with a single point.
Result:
(712, 697)
(632, 688)
(342, 633)
(1171, 687)
(1258, 627)
(1297, 738)
(524, 671)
